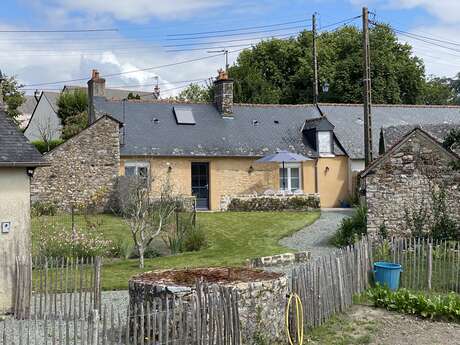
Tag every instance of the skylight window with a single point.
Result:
(184, 116)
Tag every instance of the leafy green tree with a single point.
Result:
(72, 107)
(452, 142)
(12, 97)
(438, 91)
(133, 96)
(196, 93)
(280, 71)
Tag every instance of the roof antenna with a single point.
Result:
(225, 51)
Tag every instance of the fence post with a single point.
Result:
(94, 326)
(97, 283)
(430, 264)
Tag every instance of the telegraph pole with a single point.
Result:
(225, 51)
(315, 61)
(367, 100)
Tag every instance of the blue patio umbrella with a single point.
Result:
(283, 157)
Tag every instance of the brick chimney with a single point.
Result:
(96, 88)
(223, 94)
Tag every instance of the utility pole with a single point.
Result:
(367, 100)
(315, 61)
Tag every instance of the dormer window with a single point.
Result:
(324, 143)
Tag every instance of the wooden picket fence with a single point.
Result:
(327, 284)
(57, 286)
(209, 317)
(427, 264)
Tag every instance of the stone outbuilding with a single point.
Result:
(82, 170)
(404, 178)
(18, 159)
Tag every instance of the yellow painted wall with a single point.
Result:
(234, 175)
(332, 180)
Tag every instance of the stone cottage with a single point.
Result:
(401, 181)
(18, 160)
(209, 149)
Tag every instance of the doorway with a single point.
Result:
(200, 184)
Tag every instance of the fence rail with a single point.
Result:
(427, 264)
(209, 317)
(57, 286)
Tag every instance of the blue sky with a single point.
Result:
(144, 25)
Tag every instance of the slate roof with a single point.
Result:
(151, 129)
(15, 149)
(349, 123)
(393, 134)
(257, 130)
(117, 94)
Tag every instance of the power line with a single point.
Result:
(343, 22)
(58, 31)
(235, 34)
(127, 72)
(239, 29)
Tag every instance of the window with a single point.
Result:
(324, 142)
(290, 177)
(140, 169)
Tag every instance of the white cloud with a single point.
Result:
(138, 11)
(445, 10)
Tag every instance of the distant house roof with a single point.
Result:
(51, 98)
(117, 94)
(15, 150)
(393, 134)
(415, 131)
(26, 109)
(349, 123)
(255, 130)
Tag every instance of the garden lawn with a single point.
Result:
(233, 237)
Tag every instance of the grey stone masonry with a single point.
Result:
(82, 170)
(223, 96)
(402, 182)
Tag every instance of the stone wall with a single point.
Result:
(279, 259)
(405, 178)
(300, 202)
(83, 170)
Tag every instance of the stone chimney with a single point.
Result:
(223, 94)
(156, 92)
(96, 88)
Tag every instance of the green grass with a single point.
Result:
(233, 237)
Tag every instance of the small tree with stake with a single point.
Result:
(147, 218)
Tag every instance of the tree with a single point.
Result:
(147, 218)
(438, 91)
(72, 107)
(12, 97)
(132, 96)
(452, 142)
(280, 71)
(46, 131)
(196, 93)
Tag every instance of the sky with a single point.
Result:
(146, 35)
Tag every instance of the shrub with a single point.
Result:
(266, 203)
(43, 208)
(43, 147)
(57, 241)
(445, 307)
(351, 229)
(195, 240)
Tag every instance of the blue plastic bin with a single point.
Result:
(387, 274)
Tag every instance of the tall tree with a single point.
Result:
(280, 71)
(12, 97)
(196, 93)
(72, 110)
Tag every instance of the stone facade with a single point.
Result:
(279, 260)
(405, 178)
(223, 96)
(82, 170)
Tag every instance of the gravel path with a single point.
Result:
(315, 238)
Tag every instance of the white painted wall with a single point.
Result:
(357, 164)
(44, 119)
(14, 208)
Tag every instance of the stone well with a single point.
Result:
(261, 295)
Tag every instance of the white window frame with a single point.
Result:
(288, 167)
(137, 165)
(323, 153)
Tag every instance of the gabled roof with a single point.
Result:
(15, 150)
(349, 124)
(402, 141)
(51, 98)
(393, 134)
(254, 130)
(319, 124)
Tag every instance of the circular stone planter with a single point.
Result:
(261, 295)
